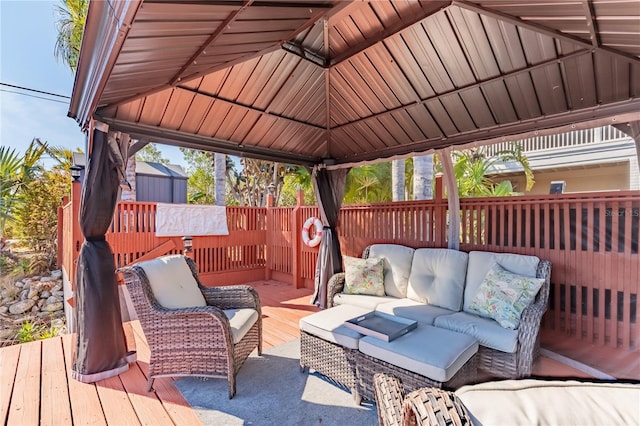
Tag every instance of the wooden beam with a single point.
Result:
(433, 8)
(538, 28)
(631, 129)
(249, 107)
(137, 146)
(306, 54)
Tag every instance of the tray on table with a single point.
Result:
(382, 326)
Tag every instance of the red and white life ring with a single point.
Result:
(317, 224)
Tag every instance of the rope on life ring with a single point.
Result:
(317, 224)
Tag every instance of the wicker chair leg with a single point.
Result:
(232, 386)
(150, 384)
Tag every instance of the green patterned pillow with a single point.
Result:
(503, 296)
(364, 276)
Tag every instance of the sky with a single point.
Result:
(27, 39)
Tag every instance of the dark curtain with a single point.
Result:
(101, 349)
(329, 189)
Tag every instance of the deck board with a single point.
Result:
(36, 385)
(55, 408)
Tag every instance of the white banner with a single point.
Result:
(177, 220)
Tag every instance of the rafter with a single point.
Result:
(137, 146)
(388, 32)
(249, 107)
(304, 53)
(591, 23)
(478, 84)
(463, 4)
(217, 33)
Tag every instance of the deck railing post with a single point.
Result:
(76, 192)
(60, 230)
(269, 240)
(296, 246)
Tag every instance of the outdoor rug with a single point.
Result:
(271, 390)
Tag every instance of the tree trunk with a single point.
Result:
(397, 180)
(423, 177)
(220, 166)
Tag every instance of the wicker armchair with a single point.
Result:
(195, 341)
(425, 406)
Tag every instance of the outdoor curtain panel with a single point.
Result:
(101, 349)
(329, 189)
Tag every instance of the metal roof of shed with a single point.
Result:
(340, 82)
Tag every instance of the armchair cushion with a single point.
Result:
(172, 282)
(397, 267)
(503, 296)
(364, 276)
(240, 321)
(437, 277)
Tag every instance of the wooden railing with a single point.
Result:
(592, 240)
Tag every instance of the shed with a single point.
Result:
(154, 181)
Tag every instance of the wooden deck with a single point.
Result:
(36, 385)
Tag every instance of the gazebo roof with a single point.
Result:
(340, 82)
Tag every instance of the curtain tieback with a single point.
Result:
(96, 239)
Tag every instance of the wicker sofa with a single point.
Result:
(509, 402)
(436, 287)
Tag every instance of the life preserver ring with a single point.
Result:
(317, 224)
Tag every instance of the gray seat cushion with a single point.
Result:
(432, 352)
(488, 332)
(329, 325)
(417, 311)
(363, 300)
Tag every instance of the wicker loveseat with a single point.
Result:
(211, 335)
(510, 402)
(436, 286)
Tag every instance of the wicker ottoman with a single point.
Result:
(427, 356)
(330, 348)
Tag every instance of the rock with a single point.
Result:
(7, 334)
(57, 274)
(8, 301)
(47, 279)
(33, 293)
(4, 309)
(21, 307)
(57, 287)
(52, 307)
(35, 309)
(54, 299)
(59, 293)
(41, 303)
(24, 294)
(45, 294)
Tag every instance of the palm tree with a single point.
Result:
(71, 18)
(423, 177)
(220, 170)
(473, 168)
(16, 173)
(397, 179)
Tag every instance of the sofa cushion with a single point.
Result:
(363, 276)
(437, 277)
(172, 282)
(329, 325)
(397, 267)
(481, 261)
(554, 402)
(417, 311)
(429, 351)
(362, 300)
(241, 321)
(488, 332)
(503, 296)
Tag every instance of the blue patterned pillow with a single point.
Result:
(503, 296)
(364, 276)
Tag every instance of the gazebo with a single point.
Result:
(328, 85)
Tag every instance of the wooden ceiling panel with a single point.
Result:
(477, 107)
(177, 108)
(195, 116)
(499, 101)
(523, 95)
(154, 107)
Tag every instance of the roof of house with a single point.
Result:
(143, 167)
(339, 82)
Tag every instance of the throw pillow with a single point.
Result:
(364, 276)
(503, 296)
